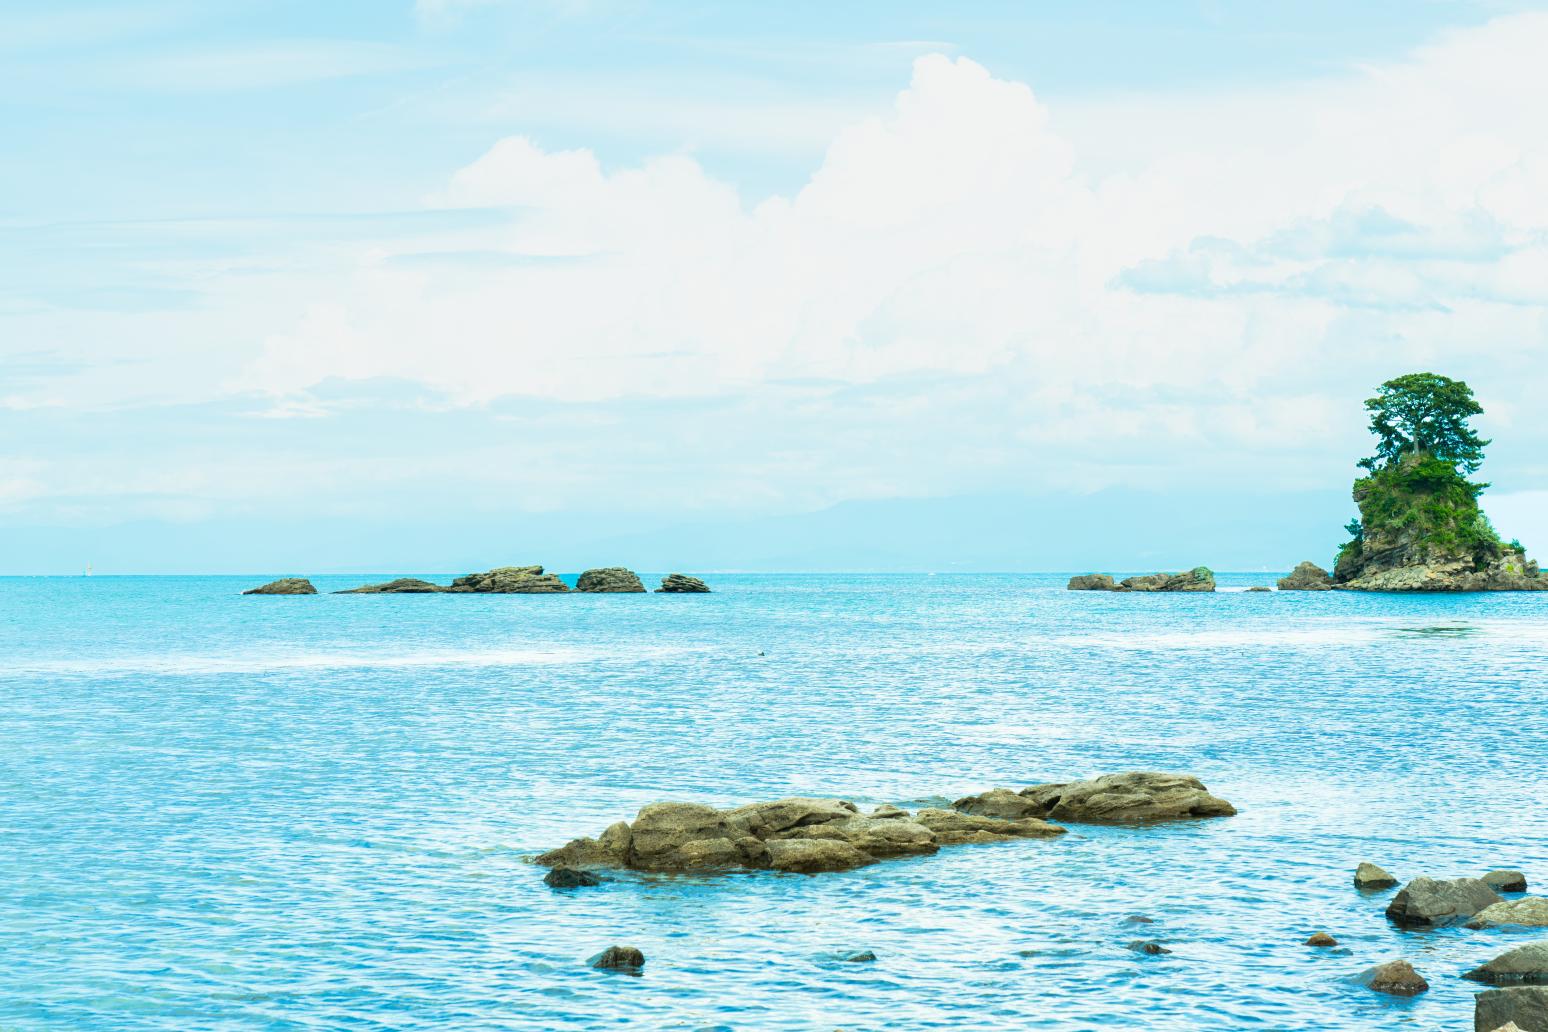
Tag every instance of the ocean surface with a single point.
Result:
(228, 812)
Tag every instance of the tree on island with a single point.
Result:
(1425, 413)
(1420, 527)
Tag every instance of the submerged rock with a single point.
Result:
(609, 579)
(618, 958)
(801, 835)
(1526, 1008)
(1524, 965)
(1428, 903)
(401, 586)
(1260, 587)
(1506, 881)
(859, 957)
(570, 878)
(1149, 947)
(1321, 939)
(1369, 877)
(1307, 577)
(682, 584)
(1200, 578)
(1395, 978)
(511, 580)
(1092, 582)
(1528, 912)
(1136, 796)
(284, 586)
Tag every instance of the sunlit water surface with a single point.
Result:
(226, 812)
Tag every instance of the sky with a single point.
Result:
(434, 286)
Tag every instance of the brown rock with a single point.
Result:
(1395, 978)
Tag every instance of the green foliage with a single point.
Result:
(1424, 414)
(1426, 499)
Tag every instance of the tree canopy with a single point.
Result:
(1425, 413)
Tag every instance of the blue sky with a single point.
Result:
(391, 285)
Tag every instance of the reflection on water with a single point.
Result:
(229, 812)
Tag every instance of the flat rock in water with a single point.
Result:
(1092, 582)
(1528, 912)
(619, 958)
(1004, 803)
(1138, 796)
(401, 586)
(511, 580)
(610, 579)
(570, 878)
(1524, 965)
(1200, 578)
(1506, 881)
(1369, 876)
(805, 835)
(1526, 1007)
(284, 586)
(1395, 978)
(1428, 903)
(1149, 947)
(682, 584)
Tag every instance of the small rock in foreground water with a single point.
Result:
(1395, 978)
(619, 958)
(1506, 881)
(1524, 965)
(861, 957)
(570, 878)
(1148, 946)
(1139, 919)
(1369, 876)
(1321, 939)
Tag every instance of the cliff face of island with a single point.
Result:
(1420, 529)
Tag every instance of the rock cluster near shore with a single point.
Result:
(1200, 578)
(503, 580)
(284, 586)
(809, 836)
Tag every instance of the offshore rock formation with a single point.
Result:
(401, 586)
(511, 580)
(1307, 577)
(609, 579)
(808, 836)
(1134, 797)
(1421, 529)
(1200, 578)
(682, 584)
(284, 586)
(1524, 965)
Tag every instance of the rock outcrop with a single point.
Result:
(511, 580)
(1133, 797)
(1428, 903)
(609, 579)
(1421, 529)
(1525, 1007)
(284, 586)
(1524, 965)
(800, 835)
(1527, 912)
(1307, 577)
(682, 584)
(401, 586)
(1370, 877)
(1200, 578)
(1395, 978)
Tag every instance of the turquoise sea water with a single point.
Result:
(227, 812)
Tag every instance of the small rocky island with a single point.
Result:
(810, 836)
(502, 580)
(1200, 578)
(1420, 526)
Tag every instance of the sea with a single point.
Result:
(242, 812)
